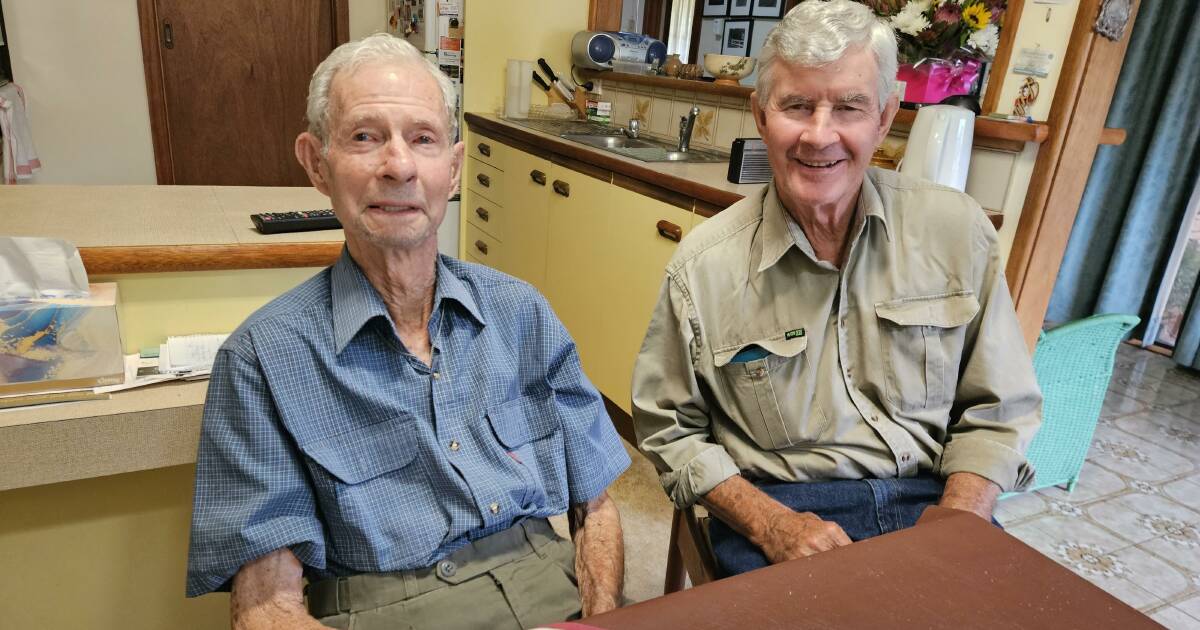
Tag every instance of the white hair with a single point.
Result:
(380, 47)
(820, 32)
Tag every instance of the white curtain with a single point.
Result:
(679, 32)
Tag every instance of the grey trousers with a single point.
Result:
(521, 577)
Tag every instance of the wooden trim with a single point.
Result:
(583, 168)
(694, 41)
(658, 193)
(1112, 136)
(706, 210)
(604, 15)
(341, 22)
(1004, 51)
(1077, 115)
(160, 130)
(159, 258)
(670, 83)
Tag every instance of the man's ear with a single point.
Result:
(308, 152)
(456, 162)
(760, 116)
(889, 114)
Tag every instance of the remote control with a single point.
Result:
(298, 221)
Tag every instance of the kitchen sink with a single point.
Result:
(609, 142)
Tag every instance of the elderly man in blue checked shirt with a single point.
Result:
(397, 428)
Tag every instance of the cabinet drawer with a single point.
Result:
(487, 151)
(485, 180)
(485, 215)
(483, 248)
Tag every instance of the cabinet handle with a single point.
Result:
(485, 180)
(538, 177)
(483, 214)
(669, 230)
(484, 150)
(562, 188)
(482, 247)
(168, 36)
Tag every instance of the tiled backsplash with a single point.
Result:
(721, 119)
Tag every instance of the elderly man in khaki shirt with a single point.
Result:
(832, 355)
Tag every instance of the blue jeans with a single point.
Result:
(863, 509)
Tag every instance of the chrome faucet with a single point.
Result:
(634, 128)
(685, 128)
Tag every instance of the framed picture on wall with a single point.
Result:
(715, 8)
(768, 8)
(737, 38)
(740, 8)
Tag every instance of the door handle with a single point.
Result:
(483, 214)
(168, 36)
(669, 230)
(485, 180)
(538, 177)
(484, 149)
(562, 188)
(482, 247)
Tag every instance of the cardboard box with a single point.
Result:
(61, 343)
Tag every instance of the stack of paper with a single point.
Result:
(190, 355)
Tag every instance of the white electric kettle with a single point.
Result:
(939, 145)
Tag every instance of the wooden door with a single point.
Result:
(227, 82)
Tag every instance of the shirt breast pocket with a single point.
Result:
(922, 341)
(764, 380)
(381, 492)
(527, 431)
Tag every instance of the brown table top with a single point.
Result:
(953, 570)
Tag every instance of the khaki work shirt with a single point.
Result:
(762, 360)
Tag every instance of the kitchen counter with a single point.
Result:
(129, 229)
(706, 183)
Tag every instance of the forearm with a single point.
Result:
(972, 493)
(268, 594)
(746, 509)
(599, 555)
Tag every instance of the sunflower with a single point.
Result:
(977, 16)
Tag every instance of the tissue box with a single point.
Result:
(50, 344)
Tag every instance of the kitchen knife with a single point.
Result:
(537, 78)
(566, 92)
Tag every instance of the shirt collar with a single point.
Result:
(356, 302)
(777, 233)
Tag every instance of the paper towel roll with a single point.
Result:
(527, 79)
(512, 90)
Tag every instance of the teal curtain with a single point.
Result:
(1137, 193)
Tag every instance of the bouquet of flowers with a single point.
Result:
(942, 29)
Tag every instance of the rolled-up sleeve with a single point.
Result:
(252, 495)
(998, 405)
(670, 416)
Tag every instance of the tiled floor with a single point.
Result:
(1132, 525)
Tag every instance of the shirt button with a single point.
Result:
(447, 568)
(454, 445)
(904, 457)
(759, 372)
(437, 375)
(494, 507)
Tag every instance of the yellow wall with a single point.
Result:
(515, 29)
(102, 553)
(154, 305)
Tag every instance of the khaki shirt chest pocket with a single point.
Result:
(768, 387)
(922, 340)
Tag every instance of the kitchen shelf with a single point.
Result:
(991, 133)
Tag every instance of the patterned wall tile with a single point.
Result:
(749, 129)
(622, 107)
(729, 127)
(643, 106)
(661, 121)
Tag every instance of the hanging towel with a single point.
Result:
(16, 145)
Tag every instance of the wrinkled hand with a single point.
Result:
(790, 535)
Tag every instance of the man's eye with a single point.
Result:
(361, 136)
(425, 139)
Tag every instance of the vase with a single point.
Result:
(671, 67)
(931, 80)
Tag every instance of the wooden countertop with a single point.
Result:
(130, 229)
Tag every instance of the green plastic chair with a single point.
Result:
(1074, 364)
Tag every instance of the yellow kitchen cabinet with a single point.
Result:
(525, 223)
(644, 230)
(579, 248)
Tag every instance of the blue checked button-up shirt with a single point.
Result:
(322, 434)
